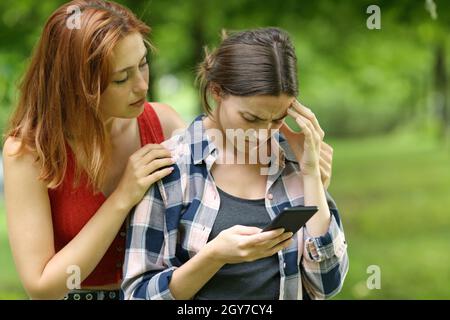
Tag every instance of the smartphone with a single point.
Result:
(292, 219)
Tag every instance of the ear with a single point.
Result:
(216, 93)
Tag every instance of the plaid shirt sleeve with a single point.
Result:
(325, 260)
(146, 271)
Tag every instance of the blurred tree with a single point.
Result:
(441, 91)
(358, 81)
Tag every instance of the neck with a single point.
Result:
(116, 126)
(109, 125)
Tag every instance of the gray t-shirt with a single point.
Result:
(256, 280)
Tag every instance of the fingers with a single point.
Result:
(245, 230)
(281, 246)
(325, 166)
(261, 237)
(326, 159)
(307, 127)
(281, 238)
(147, 148)
(307, 113)
(325, 173)
(325, 153)
(262, 244)
(153, 154)
(327, 148)
(325, 180)
(156, 165)
(156, 176)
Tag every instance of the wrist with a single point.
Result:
(312, 173)
(119, 202)
(212, 256)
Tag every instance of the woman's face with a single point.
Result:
(126, 93)
(259, 114)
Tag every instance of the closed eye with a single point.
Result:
(249, 119)
(141, 66)
(281, 119)
(121, 81)
(253, 119)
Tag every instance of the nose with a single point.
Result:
(272, 126)
(141, 84)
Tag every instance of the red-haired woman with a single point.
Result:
(81, 150)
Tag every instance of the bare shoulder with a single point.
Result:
(21, 162)
(11, 146)
(162, 107)
(169, 118)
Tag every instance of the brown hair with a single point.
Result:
(60, 92)
(247, 63)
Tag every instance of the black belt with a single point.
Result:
(93, 295)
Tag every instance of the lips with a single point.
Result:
(138, 102)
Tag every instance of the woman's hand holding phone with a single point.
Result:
(244, 244)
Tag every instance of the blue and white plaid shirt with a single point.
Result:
(174, 219)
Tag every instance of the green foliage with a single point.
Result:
(357, 81)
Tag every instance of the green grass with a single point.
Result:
(393, 196)
(392, 193)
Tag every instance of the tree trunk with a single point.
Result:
(199, 39)
(441, 92)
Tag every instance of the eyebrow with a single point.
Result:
(131, 67)
(284, 115)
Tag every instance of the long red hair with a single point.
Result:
(60, 92)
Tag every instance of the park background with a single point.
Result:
(381, 95)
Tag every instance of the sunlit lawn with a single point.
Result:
(393, 194)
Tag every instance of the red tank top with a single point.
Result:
(72, 208)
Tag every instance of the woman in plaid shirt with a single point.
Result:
(197, 233)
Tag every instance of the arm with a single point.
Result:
(194, 274)
(325, 260)
(169, 118)
(234, 245)
(326, 163)
(148, 273)
(315, 196)
(42, 271)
